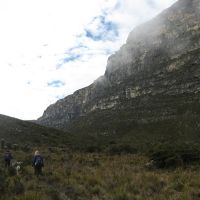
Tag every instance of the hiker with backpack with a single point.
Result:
(38, 163)
(7, 158)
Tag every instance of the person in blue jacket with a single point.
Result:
(38, 163)
(7, 158)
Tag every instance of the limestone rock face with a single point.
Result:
(154, 76)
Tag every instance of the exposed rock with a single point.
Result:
(154, 76)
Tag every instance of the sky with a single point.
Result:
(51, 48)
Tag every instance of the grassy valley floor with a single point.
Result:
(96, 176)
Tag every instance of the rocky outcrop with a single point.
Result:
(154, 76)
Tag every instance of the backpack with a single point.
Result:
(7, 157)
(38, 161)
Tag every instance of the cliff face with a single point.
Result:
(154, 76)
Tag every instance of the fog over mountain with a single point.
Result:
(153, 77)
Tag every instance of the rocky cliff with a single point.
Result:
(153, 77)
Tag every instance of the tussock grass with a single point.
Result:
(97, 176)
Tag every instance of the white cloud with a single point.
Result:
(36, 35)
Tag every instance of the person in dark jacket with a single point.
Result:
(7, 158)
(38, 163)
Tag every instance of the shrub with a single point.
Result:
(93, 148)
(8, 145)
(121, 195)
(25, 148)
(15, 147)
(72, 192)
(54, 194)
(15, 186)
(29, 196)
(11, 171)
(166, 156)
(120, 149)
(2, 182)
(2, 143)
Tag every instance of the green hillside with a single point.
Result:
(21, 132)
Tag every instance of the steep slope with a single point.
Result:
(16, 131)
(154, 77)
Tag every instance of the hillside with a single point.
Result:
(15, 131)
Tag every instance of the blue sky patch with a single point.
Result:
(71, 58)
(67, 59)
(56, 83)
(105, 29)
(60, 97)
(72, 54)
(75, 48)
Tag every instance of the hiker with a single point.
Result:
(38, 163)
(7, 158)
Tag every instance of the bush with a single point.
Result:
(93, 148)
(166, 156)
(30, 196)
(25, 148)
(54, 194)
(121, 195)
(15, 147)
(2, 143)
(72, 192)
(15, 186)
(2, 182)
(120, 149)
(11, 171)
(8, 145)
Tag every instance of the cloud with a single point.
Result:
(50, 42)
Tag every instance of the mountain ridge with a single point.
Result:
(151, 77)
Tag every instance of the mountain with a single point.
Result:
(15, 131)
(153, 79)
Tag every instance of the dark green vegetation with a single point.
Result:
(157, 160)
(24, 133)
(170, 143)
(115, 159)
(97, 176)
